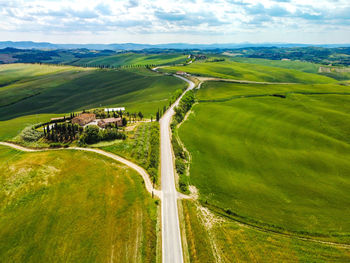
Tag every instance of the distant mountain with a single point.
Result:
(133, 46)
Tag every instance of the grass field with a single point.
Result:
(25, 81)
(280, 163)
(225, 91)
(10, 73)
(246, 71)
(90, 210)
(297, 65)
(126, 59)
(212, 238)
(141, 147)
(11, 128)
(77, 89)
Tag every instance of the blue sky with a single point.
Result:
(168, 21)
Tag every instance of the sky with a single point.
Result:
(176, 21)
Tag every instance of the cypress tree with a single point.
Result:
(157, 115)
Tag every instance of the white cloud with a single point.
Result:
(185, 21)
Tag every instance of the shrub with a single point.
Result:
(185, 105)
(178, 151)
(30, 135)
(110, 134)
(183, 183)
(153, 172)
(152, 162)
(180, 166)
(55, 145)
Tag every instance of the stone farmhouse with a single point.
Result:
(90, 119)
(105, 122)
(84, 118)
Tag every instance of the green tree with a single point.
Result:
(91, 134)
(157, 115)
(124, 121)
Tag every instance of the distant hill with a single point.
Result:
(133, 46)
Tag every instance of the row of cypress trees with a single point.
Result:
(62, 132)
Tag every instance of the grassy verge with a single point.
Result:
(90, 210)
(212, 238)
(181, 156)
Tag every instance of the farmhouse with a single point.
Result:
(105, 122)
(84, 118)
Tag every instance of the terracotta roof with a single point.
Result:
(85, 116)
(108, 120)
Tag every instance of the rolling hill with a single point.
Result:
(127, 59)
(56, 89)
(251, 72)
(279, 162)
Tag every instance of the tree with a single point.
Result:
(140, 115)
(91, 134)
(157, 115)
(124, 121)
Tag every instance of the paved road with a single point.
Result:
(140, 170)
(171, 238)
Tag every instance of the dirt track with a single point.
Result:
(140, 170)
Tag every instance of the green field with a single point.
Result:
(10, 73)
(297, 65)
(90, 210)
(11, 128)
(252, 72)
(279, 163)
(76, 89)
(141, 147)
(213, 238)
(127, 59)
(225, 91)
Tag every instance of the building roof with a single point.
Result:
(111, 120)
(115, 109)
(85, 116)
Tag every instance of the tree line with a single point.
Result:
(184, 106)
(181, 157)
(62, 132)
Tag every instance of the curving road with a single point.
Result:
(171, 237)
(140, 170)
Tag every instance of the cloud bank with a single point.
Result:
(192, 21)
